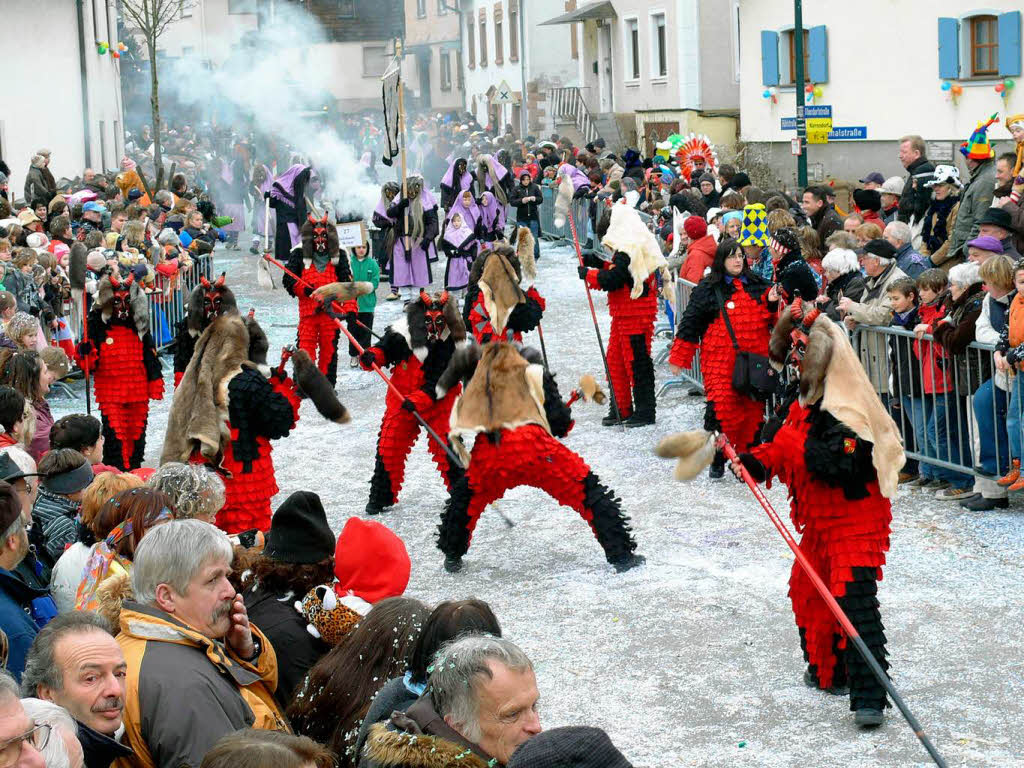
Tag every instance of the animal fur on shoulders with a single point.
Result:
(386, 748)
(199, 409)
(416, 314)
(505, 391)
(136, 298)
(693, 450)
(499, 286)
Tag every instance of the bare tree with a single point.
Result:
(150, 19)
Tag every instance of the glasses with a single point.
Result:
(10, 750)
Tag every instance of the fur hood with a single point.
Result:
(628, 233)
(416, 313)
(195, 319)
(394, 749)
(499, 286)
(136, 298)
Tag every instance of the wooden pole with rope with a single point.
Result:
(400, 55)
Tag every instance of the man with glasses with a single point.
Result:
(15, 595)
(21, 740)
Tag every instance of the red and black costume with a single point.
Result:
(207, 301)
(511, 405)
(319, 262)
(840, 482)
(121, 356)
(227, 409)
(418, 348)
(494, 288)
(702, 327)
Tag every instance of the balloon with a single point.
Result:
(767, 94)
(809, 89)
(818, 92)
(122, 47)
(115, 54)
(946, 86)
(1009, 83)
(773, 90)
(1000, 88)
(957, 89)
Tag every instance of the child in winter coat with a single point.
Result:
(365, 269)
(905, 385)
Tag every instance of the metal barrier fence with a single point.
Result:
(167, 303)
(959, 416)
(580, 214)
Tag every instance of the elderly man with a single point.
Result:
(916, 196)
(76, 663)
(19, 733)
(480, 705)
(62, 749)
(196, 669)
(878, 260)
(823, 216)
(899, 236)
(997, 223)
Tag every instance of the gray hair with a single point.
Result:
(8, 686)
(173, 553)
(458, 668)
(163, 197)
(55, 753)
(194, 489)
(41, 668)
(900, 230)
(13, 529)
(966, 274)
(840, 260)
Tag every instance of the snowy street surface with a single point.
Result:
(693, 659)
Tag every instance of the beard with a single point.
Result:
(220, 613)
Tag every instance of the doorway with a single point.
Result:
(604, 55)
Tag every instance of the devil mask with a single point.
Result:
(434, 319)
(799, 337)
(122, 303)
(319, 243)
(213, 297)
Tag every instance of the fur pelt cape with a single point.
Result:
(195, 317)
(199, 410)
(628, 233)
(136, 298)
(395, 749)
(506, 391)
(499, 286)
(416, 315)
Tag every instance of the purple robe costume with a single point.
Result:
(460, 245)
(259, 223)
(287, 197)
(579, 178)
(414, 269)
(232, 204)
(491, 224)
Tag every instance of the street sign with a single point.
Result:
(810, 111)
(817, 130)
(794, 146)
(503, 94)
(848, 133)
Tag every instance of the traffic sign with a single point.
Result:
(503, 94)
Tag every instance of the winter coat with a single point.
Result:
(297, 650)
(699, 256)
(54, 527)
(435, 743)
(67, 575)
(1016, 211)
(184, 691)
(37, 186)
(850, 284)
(991, 321)
(874, 308)
(44, 422)
(826, 222)
(526, 211)
(939, 222)
(975, 200)
(794, 274)
(366, 271)
(935, 376)
(614, 174)
(906, 376)
(911, 262)
(956, 332)
(395, 696)
(15, 619)
(98, 749)
(916, 196)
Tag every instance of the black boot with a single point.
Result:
(380, 489)
(717, 469)
(453, 564)
(453, 533)
(612, 418)
(644, 406)
(626, 563)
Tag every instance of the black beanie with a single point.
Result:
(578, 747)
(299, 532)
(867, 199)
(739, 181)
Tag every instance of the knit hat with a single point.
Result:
(299, 532)
(867, 199)
(892, 186)
(96, 260)
(570, 747)
(977, 146)
(695, 227)
(730, 215)
(986, 243)
(37, 241)
(706, 177)
(370, 561)
(755, 225)
(785, 241)
(945, 174)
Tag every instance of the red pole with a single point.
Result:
(597, 328)
(725, 446)
(85, 338)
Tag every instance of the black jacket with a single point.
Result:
(827, 222)
(850, 284)
(526, 211)
(916, 196)
(904, 367)
(99, 749)
(794, 274)
(297, 650)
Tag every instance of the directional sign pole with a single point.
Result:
(801, 125)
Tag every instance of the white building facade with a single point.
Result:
(74, 107)
(888, 70)
(208, 29)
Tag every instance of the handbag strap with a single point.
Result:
(725, 317)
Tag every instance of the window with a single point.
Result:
(471, 42)
(632, 40)
(984, 46)
(421, 9)
(375, 60)
(347, 9)
(659, 56)
(778, 56)
(184, 8)
(458, 71)
(499, 40)
(241, 6)
(442, 9)
(446, 71)
(483, 39)
(513, 30)
(188, 50)
(791, 48)
(980, 45)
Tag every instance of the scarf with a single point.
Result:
(458, 237)
(103, 558)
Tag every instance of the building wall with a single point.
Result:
(429, 38)
(210, 30)
(482, 77)
(905, 97)
(720, 53)
(49, 112)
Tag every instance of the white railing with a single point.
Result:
(567, 105)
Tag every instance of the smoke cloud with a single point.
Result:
(272, 84)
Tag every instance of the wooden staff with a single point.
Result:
(401, 146)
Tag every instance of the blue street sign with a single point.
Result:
(810, 111)
(848, 133)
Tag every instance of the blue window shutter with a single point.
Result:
(817, 61)
(949, 49)
(1009, 43)
(769, 57)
